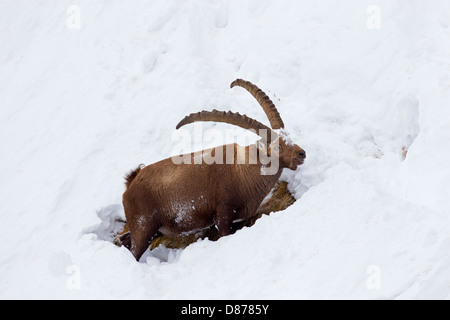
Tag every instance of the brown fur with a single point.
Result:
(279, 200)
(129, 176)
(180, 199)
(184, 198)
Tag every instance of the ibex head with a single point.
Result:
(274, 141)
(289, 155)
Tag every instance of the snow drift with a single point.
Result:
(362, 86)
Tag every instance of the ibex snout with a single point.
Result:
(301, 154)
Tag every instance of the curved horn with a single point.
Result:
(265, 102)
(231, 118)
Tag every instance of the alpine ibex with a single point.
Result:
(182, 195)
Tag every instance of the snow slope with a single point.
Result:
(81, 106)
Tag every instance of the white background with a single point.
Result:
(85, 98)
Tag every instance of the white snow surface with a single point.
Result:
(80, 107)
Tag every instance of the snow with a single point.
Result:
(357, 83)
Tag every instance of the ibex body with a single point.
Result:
(174, 197)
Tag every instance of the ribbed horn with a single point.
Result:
(231, 118)
(265, 102)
